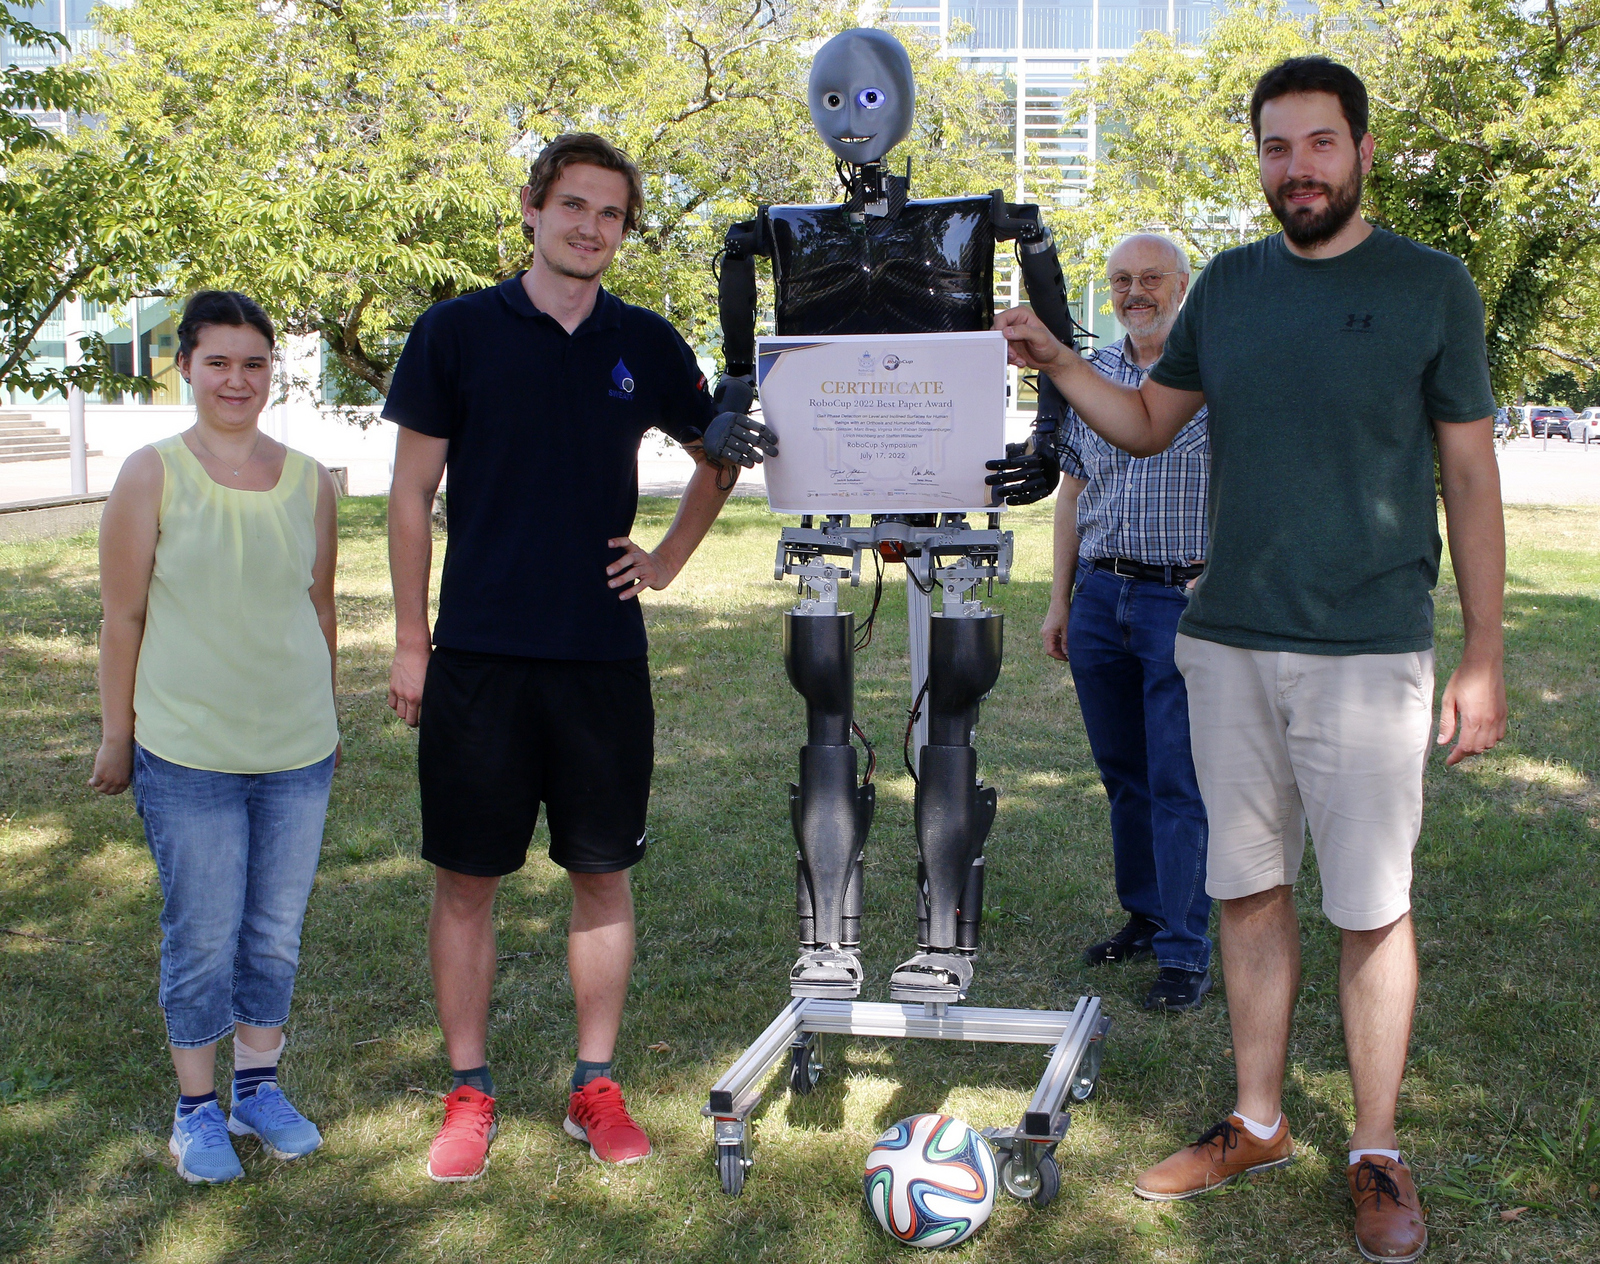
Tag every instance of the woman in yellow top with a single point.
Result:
(217, 654)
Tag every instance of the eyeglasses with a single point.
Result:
(1122, 282)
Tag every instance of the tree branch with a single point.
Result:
(20, 348)
(1581, 361)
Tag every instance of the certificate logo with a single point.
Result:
(893, 362)
(867, 363)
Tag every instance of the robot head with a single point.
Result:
(862, 94)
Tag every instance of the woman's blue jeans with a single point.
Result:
(236, 853)
(1136, 712)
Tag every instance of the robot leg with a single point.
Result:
(831, 813)
(954, 810)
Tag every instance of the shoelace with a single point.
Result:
(1223, 1129)
(461, 1114)
(210, 1128)
(276, 1108)
(1370, 1176)
(604, 1107)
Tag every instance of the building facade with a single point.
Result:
(1044, 51)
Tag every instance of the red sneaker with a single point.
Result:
(461, 1150)
(597, 1114)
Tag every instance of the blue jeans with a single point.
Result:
(236, 853)
(1136, 713)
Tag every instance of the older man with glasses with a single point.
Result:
(1130, 537)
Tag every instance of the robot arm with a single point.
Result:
(736, 298)
(732, 437)
(1031, 470)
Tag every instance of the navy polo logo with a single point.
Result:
(623, 381)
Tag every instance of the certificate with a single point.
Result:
(882, 423)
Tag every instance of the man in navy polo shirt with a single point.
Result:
(536, 394)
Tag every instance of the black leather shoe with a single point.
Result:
(1131, 943)
(1177, 989)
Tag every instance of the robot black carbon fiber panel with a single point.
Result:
(928, 269)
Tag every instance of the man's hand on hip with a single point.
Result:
(1054, 631)
(1475, 699)
(637, 570)
(406, 675)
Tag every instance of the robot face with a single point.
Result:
(862, 94)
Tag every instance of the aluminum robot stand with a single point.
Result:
(947, 555)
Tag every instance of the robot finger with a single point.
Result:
(764, 438)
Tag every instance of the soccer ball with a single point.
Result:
(931, 1180)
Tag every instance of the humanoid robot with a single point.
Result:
(881, 262)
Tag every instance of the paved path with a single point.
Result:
(1532, 472)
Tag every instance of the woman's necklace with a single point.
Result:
(219, 460)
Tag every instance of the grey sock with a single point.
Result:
(586, 1071)
(478, 1077)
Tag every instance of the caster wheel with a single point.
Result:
(805, 1067)
(1088, 1076)
(1039, 1187)
(731, 1168)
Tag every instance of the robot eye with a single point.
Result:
(871, 98)
(833, 100)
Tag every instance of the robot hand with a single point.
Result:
(734, 395)
(1025, 475)
(734, 438)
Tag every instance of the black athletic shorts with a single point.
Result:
(502, 734)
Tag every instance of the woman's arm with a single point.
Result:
(322, 570)
(128, 529)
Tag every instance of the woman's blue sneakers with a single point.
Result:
(267, 1114)
(201, 1146)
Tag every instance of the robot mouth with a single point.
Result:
(854, 140)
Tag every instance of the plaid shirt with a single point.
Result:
(1147, 509)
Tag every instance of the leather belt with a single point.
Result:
(1127, 568)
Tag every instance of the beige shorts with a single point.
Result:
(1338, 741)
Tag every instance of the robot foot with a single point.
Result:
(826, 972)
(931, 976)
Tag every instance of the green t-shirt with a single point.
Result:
(1322, 377)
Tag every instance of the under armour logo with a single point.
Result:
(1358, 324)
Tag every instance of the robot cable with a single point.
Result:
(911, 723)
(872, 752)
(864, 637)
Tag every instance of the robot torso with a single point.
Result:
(927, 267)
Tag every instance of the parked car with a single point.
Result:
(1541, 415)
(1585, 427)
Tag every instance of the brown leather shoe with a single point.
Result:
(1389, 1224)
(1224, 1151)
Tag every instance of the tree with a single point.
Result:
(81, 212)
(358, 160)
(1487, 120)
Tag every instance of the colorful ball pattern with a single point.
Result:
(931, 1181)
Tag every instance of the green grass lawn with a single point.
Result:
(1505, 1059)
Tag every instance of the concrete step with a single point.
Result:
(9, 414)
(22, 427)
(44, 443)
(8, 457)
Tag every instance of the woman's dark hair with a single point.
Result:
(596, 151)
(1313, 74)
(220, 307)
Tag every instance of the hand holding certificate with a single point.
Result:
(882, 423)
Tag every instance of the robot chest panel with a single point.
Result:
(928, 270)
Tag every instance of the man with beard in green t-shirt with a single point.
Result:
(1332, 358)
